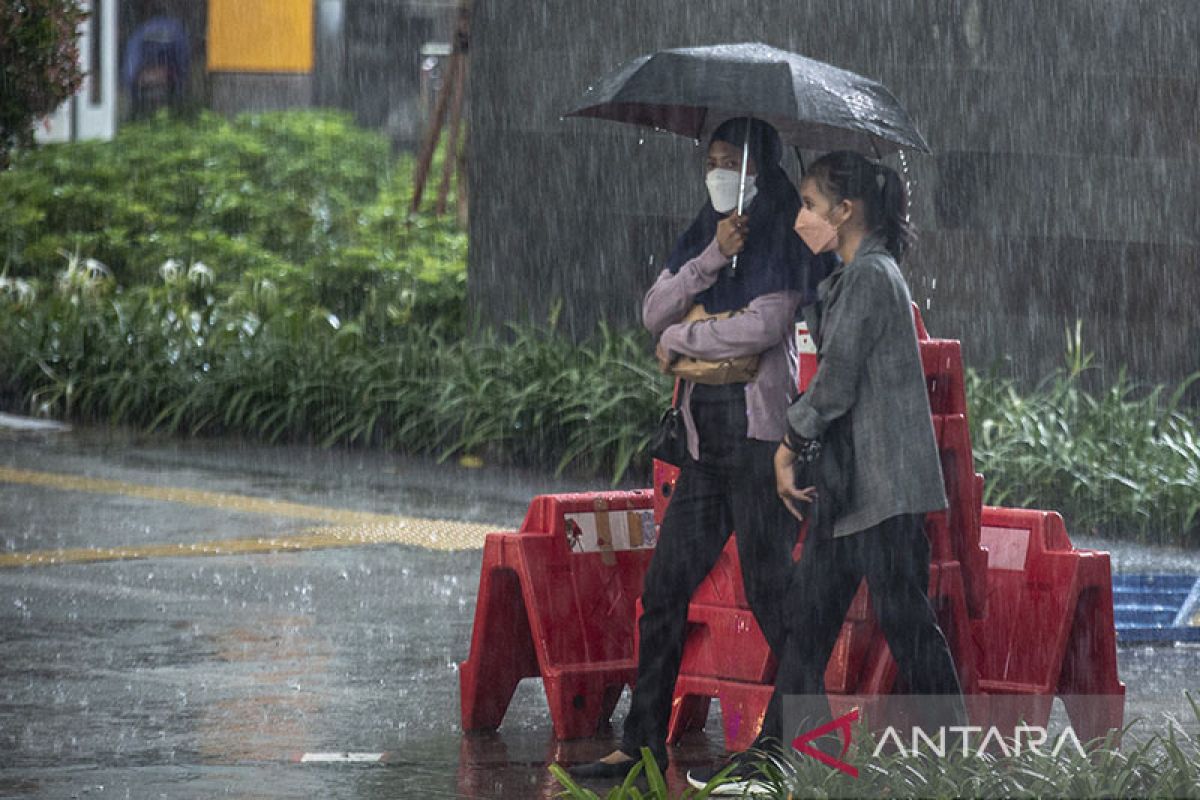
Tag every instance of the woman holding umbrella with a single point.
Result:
(733, 429)
(871, 383)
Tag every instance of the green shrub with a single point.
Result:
(39, 65)
(173, 358)
(304, 200)
(1123, 462)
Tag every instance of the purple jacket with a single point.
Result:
(766, 328)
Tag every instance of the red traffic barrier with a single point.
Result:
(1049, 629)
(557, 601)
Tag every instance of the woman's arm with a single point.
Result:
(848, 333)
(762, 325)
(672, 295)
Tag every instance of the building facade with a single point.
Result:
(1064, 184)
(364, 56)
(92, 113)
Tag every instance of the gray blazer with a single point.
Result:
(870, 368)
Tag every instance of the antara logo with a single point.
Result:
(842, 724)
(1028, 737)
(1031, 738)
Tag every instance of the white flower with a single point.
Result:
(15, 289)
(170, 270)
(24, 291)
(96, 270)
(200, 274)
(82, 274)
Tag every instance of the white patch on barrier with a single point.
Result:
(629, 530)
(1006, 547)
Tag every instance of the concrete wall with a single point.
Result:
(1065, 182)
(236, 92)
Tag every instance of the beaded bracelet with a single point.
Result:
(806, 450)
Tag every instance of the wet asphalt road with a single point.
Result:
(168, 672)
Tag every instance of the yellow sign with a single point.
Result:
(260, 35)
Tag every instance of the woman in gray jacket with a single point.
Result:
(870, 383)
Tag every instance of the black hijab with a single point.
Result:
(774, 258)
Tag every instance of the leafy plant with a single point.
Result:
(644, 772)
(302, 199)
(39, 65)
(176, 358)
(1123, 461)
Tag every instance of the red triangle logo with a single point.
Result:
(842, 723)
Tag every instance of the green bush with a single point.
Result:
(39, 65)
(304, 200)
(1122, 462)
(172, 358)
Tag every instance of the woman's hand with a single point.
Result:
(785, 482)
(731, 234)
(665, 358)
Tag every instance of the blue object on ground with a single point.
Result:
(1156, 608)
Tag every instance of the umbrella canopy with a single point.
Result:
(813, 105)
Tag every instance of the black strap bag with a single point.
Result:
(669, 442)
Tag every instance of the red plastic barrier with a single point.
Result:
(806, 356)
(942, 362)
(954, 532)
(557, 600)
(1049, 628)
(665, 476)
(1048, 632)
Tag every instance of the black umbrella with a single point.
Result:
(813, 105)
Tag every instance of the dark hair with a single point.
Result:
(846, 175)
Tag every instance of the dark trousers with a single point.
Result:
(893, 556)
(731, 488)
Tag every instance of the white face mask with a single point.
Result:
(723, 189)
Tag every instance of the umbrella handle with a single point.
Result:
(742, 187)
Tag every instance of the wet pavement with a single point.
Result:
(188, 619)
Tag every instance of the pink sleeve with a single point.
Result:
(673, 295)
(764, 323)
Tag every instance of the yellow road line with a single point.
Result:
(349, 527)
(436, 536)
(193, 497)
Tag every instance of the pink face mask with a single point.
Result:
(816, 231)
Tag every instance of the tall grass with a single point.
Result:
(1124, 461)
(160, 361)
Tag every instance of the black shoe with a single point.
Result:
(601, 770)
(745, 777)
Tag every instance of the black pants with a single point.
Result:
(731, 488)
(893, 556)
